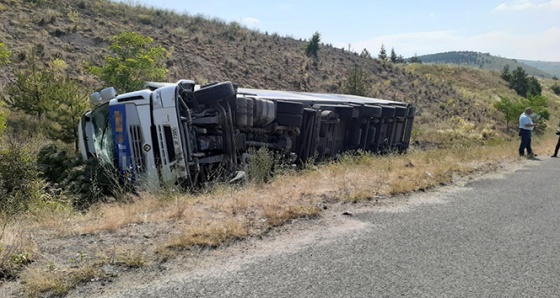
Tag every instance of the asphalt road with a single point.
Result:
(493, 237)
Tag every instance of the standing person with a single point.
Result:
(526, 126)
(557, 143)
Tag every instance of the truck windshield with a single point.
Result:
(102, 134)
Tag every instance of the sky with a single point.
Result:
(517, 29)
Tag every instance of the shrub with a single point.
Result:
(260, 164)
(55, 163)
(556, 89)
(89, 182)
(20, 184)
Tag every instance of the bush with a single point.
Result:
(92, 182)
(88, 182)
(55, 163)
(556, 89)
(260, 165)
(20, 184)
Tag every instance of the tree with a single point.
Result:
(518, 81)
(365, 54)
(523, 84)
(415, 59)
(134, 59)
(66, 111)
(393, 56)
(312, 47)
(382, 53)
(48, 94)
(534, 87)
(506, 75)
(355, 82)
(538, 104)
(29, 91)
(511, 109)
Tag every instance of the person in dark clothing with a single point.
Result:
(557, 144)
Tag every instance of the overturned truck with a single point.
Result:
(182, 132)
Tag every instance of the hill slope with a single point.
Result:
(212, 50)
(487, 61)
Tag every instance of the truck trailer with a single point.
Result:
(185, 133)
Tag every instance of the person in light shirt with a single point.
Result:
(526, 127)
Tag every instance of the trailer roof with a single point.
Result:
(314, 97)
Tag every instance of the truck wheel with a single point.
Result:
(258, 108)
(215, 92)
(285, 107)
(400, 111)
(250, 112)
(241, 111)
(289, 119)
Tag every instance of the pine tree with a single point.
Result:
(355, 82)
(312, 47)
(31, 89)
(506, 75)
(393, 56)
(365, 54)
(382, 53)
(48, 94)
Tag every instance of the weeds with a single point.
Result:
(16, 252)
(260, 164)
(54, 281)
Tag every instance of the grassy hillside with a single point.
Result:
(487, 61)
(210, 50)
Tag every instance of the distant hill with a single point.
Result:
(550, 67)
(487, 61)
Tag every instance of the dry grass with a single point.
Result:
(53, 281)
(239, 212)
(17, 249)
(298, 194)
(231, 213)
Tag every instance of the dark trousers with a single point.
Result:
(557, 147)
(525, 135)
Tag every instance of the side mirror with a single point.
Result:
(103, 95)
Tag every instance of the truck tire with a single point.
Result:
(258, 109)
(411, 111)
(388, 112)
(250, 111)
(400, 111)
(289, 119)
(241, 112)
(370, 111)
(214, 93)
(286, 107)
